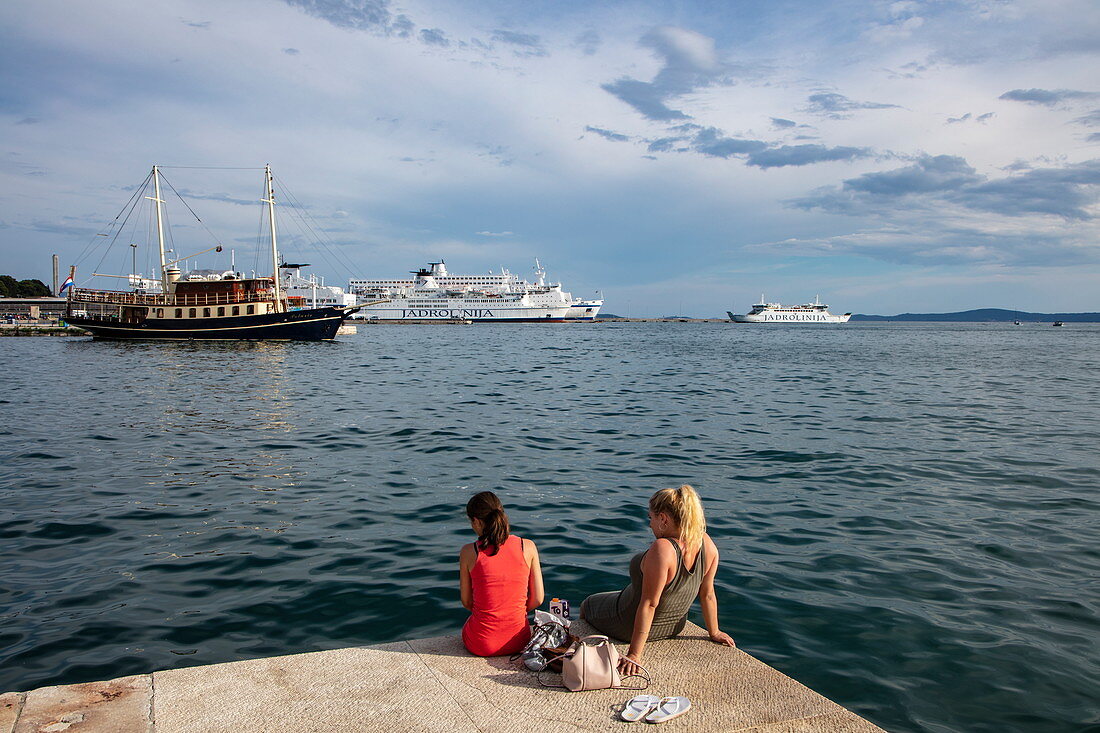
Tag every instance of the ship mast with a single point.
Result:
(160, 228)
(270, 201)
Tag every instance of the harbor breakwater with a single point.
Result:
(906, 514)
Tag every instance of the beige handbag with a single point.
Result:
(592, 663)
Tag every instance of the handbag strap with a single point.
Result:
(644, 674)
(538, 675)
(603, 639)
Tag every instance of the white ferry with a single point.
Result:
(434, 294)
(579, 308)
(765, 312)
(311, 292)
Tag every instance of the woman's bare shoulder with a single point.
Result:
(529, 547)
(663, 548)
(467, 552)
(712, 550)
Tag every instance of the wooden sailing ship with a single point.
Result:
(231, 308)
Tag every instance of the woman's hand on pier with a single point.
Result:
(721, 637)
(628, 666)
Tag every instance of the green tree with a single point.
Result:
(33, 289)
(8, 287)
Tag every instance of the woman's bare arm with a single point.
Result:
(709, 600)
(535, 592)
(658, 563)
(466, 559)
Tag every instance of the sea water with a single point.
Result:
(907, 514)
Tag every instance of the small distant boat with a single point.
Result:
(1057, 323)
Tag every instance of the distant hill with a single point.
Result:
(606, 315)
(986, 315)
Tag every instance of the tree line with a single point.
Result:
(12, 288)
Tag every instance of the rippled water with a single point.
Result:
(907, 514)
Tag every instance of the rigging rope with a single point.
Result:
(137, 191)
(200, 221)
(121, 226)
(210, 167)
(319, 240)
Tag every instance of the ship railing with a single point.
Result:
(84, 295)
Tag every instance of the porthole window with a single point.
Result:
(251, 309)
(190, 312)
(221, 310)
(179, 312)
(205, 312)
(236, 310)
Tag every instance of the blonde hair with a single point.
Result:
(686, 510)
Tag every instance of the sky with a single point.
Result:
(678, 157)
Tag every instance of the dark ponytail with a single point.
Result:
(487, 508)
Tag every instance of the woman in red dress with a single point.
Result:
(501, 581)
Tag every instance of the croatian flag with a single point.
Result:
(67, 284)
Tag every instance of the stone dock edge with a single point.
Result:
(431, 685)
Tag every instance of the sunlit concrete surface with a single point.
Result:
(425, 685)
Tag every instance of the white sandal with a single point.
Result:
(668, 708)
(637, 707)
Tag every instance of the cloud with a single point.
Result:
(1093, 137)
(52, 227)
(646, 98)
(663, 144)
(291, 51)
(434, 37)
(940, 206)
(713, 142)
(951, 244)
(608, 134)
(222, 197)
(202, 25)
(884, 191)
(1092, 118)
(494, 234)
(402, 27)
(1047, 97)
(690, 63)
(28, 121)
(836, 106)
(796, 155)
(983, 118)
(360, 15)
(588, 42)
(928, 174)
(1066, 192)
(781, 124)
(531, 44)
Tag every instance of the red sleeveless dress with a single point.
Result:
(498, 622)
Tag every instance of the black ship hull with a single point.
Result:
(312, 324)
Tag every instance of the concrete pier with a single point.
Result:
(40, 329)
(425, 685)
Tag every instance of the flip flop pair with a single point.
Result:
(654, 709)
